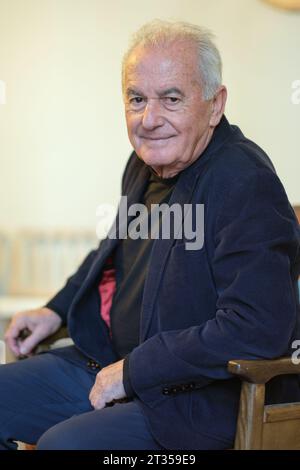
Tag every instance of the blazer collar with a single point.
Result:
(221, 133)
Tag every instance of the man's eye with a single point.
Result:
(136, 100)
(171, 100)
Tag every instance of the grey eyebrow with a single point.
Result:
(161, 94)
(171, 91)
(133, 92)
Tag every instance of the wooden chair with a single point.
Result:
(260, 426)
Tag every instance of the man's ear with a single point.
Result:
(218, 106)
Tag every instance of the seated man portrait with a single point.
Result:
(156, 316)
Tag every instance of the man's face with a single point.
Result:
(168, 121)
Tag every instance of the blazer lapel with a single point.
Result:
(182, 194)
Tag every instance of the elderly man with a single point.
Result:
(154, 321)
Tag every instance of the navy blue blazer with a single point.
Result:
(237, 297)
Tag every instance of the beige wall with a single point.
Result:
(63, 142)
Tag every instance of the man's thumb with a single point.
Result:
(29, 343)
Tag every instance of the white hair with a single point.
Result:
(159, 33)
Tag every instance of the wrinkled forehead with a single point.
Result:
(178, 60)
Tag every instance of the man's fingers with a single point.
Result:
(11, 340)
(99, 404)
(96, 396)
(13, 345)
(31, 341)
(40, 322)
(12, 334)
(15, 327)
(108, 386)
(97, 401)
(93, 394)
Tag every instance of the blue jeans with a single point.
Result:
(44, 400)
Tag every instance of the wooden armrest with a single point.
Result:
(59, 334)
(261, 371)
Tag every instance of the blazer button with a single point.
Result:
(93, 365)
(166, 391)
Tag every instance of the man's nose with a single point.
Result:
(152, 115)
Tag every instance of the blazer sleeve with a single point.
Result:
(254, 264)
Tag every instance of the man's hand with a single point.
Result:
(108, 385)
(41, 322)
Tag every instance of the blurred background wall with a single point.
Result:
(63, 141)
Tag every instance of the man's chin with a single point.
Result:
(155, 159)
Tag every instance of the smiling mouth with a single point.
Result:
(158, 139)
